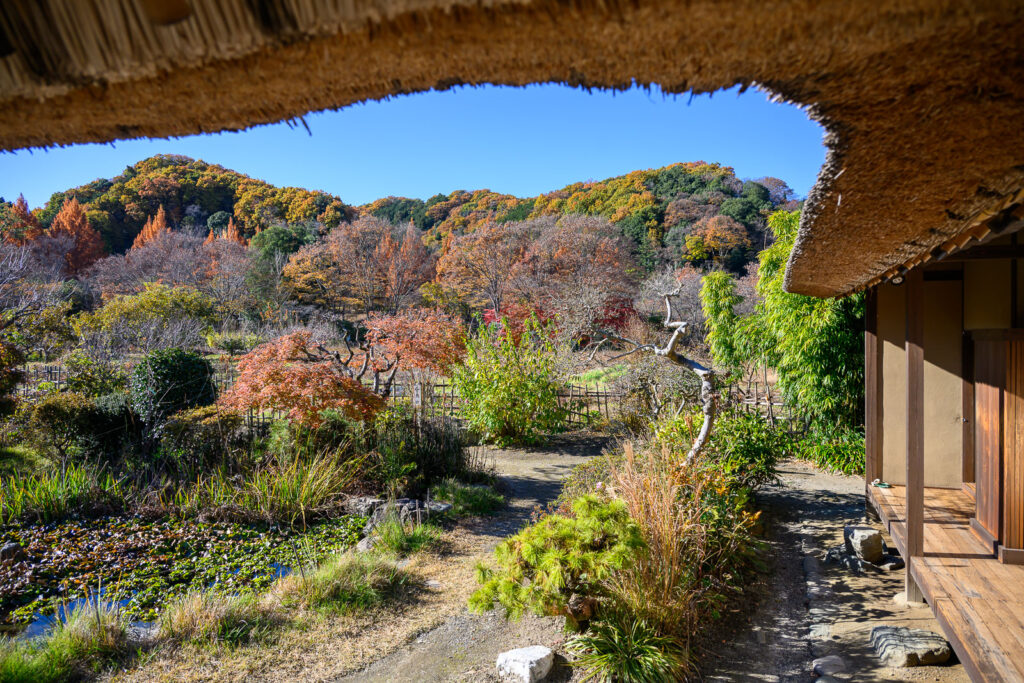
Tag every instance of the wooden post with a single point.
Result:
(915, 428)
(872, 390)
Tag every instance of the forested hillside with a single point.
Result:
(692, 212)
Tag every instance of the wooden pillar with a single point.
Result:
(872, 390)
(915, 428)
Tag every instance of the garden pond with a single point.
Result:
(143, 564)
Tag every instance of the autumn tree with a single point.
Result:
(418, 339)
(155, 227)
(716, 239)
(21, 226)
(407, 265)
(72, 223)
(479, 265)
(296, 375)
(575, 269)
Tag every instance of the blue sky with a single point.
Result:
(521, 141)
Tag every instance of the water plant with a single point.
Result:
(53, 495)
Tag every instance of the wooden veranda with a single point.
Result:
(978, 600)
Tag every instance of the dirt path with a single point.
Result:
(429, 635)
(800, 617)
(465, 647)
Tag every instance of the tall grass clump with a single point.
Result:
(468, 499)
(393, 536)
(92, 637)
(345, 583)
(54, 495)
(697, 529)
(291, 491)
(625, 649)
(204, 616)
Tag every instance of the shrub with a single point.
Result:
(838, 450)
(92, 636)
(59, 426)
(349, 582)
(468, 499)
(169, 380)
(204, 616)
(92, 376)
(509, 384)
(11, 375)
(626, 649)
(203, 437)
(745, 445)
(115, 429)
(558, 566)
(411, 453)
(748, 448)
(233, 343)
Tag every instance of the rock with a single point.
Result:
(901, 600)
(844, 558)
(828, 666)
(891, 563)
(12, 552)
(865, 542)
(365, 544)
(436, 507)
(363, 506)
(901, 646)
(527, 664)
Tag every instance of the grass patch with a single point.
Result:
(468, 499)
(20, 460)
(396, 538)
(293, 492)
(348, 582)
(203, 616)
(91, 638)
(603, 375)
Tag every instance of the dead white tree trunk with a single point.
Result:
(672, 352)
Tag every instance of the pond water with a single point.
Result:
(142, 564)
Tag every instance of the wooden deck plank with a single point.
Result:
(978, 600)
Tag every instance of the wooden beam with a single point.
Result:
(986, 252)
(915, 428)
(872, 389)
(967, 409)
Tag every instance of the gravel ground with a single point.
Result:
(806, 513)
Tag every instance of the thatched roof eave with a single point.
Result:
(922, 99)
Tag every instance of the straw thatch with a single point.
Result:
(923, 99)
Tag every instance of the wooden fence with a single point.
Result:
(584, 403)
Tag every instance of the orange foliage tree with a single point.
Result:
(71, 222)
(407, 264)
(479, 265)
(295, 375)
(24, 227)
(418, 339)
(154, 227)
